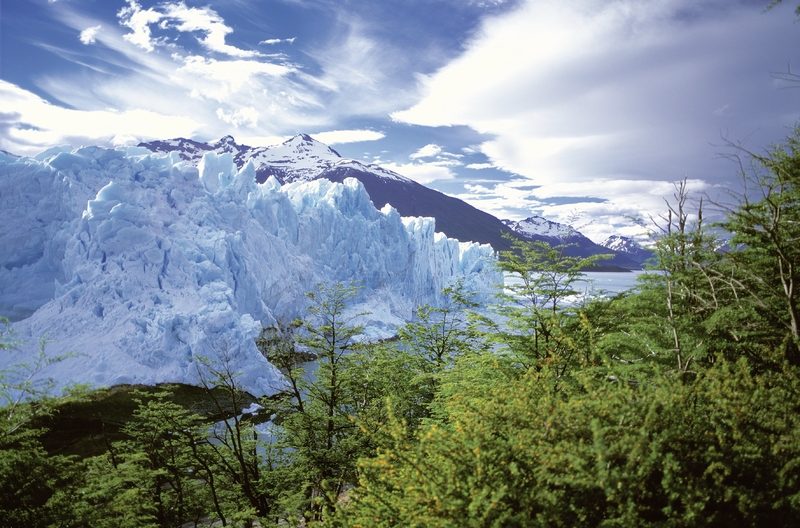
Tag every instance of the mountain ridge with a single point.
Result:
(302, 158)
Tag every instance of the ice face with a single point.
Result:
(141, 267)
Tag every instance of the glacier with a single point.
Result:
(138, 265)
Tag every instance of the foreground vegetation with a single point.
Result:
(677, 404)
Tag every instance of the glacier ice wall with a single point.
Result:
(137, 265)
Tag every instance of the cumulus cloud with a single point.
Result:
(436, 166)
(170, 81)
(205, 20)
(146, 62)
(219, 79)
(138, 20)
(428, 151)
(597, 208)
(182, 18)
(89, 35)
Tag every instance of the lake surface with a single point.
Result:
(596, 284)
(607, 283)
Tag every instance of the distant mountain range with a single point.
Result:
(626, 252)
(302, 158)
(628, 246)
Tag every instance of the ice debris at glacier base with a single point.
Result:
(136, 265)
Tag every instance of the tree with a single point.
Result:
(431, 343)
(159, 476)
(719, 451)
(35, 486)
(251, 472)
(766, 236)
(534, 312)
(321, 433)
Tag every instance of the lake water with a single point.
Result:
(596, 284)
(608, 283)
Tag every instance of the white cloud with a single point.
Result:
(587, 91)
(479, 166)
(445, 162)
(337, 137)
(625, 203)
(428, 151)
(178, 83)
(180, 17)
(361, 74)
(33, 123)
(504, 200)
(274, 41)
(218, 80)
(138, 20)
(154, 69)
(89, 35)
(206, 20)
(423, 173)
(436, 156)
(488, 3)
(246, 116)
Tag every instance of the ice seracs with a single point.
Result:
(138, 265)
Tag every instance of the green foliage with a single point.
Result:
(719, 452)
(533, 321)
(775, 3)
(767, 234)
(320, 432)
(672, 405)
(152, 478)
(430, 345)
(33, 484)
(246, 483)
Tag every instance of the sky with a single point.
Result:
(582, 111)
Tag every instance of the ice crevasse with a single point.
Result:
(137, 265)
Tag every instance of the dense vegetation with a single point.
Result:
(677, 404)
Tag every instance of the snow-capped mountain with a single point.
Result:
(537, 228)
(628, 246)
(137, 264)
(302, 158)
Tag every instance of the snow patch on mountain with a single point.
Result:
(536, 226)
(628, 246)
(300, 158)
(621, 243)
(138, 265)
